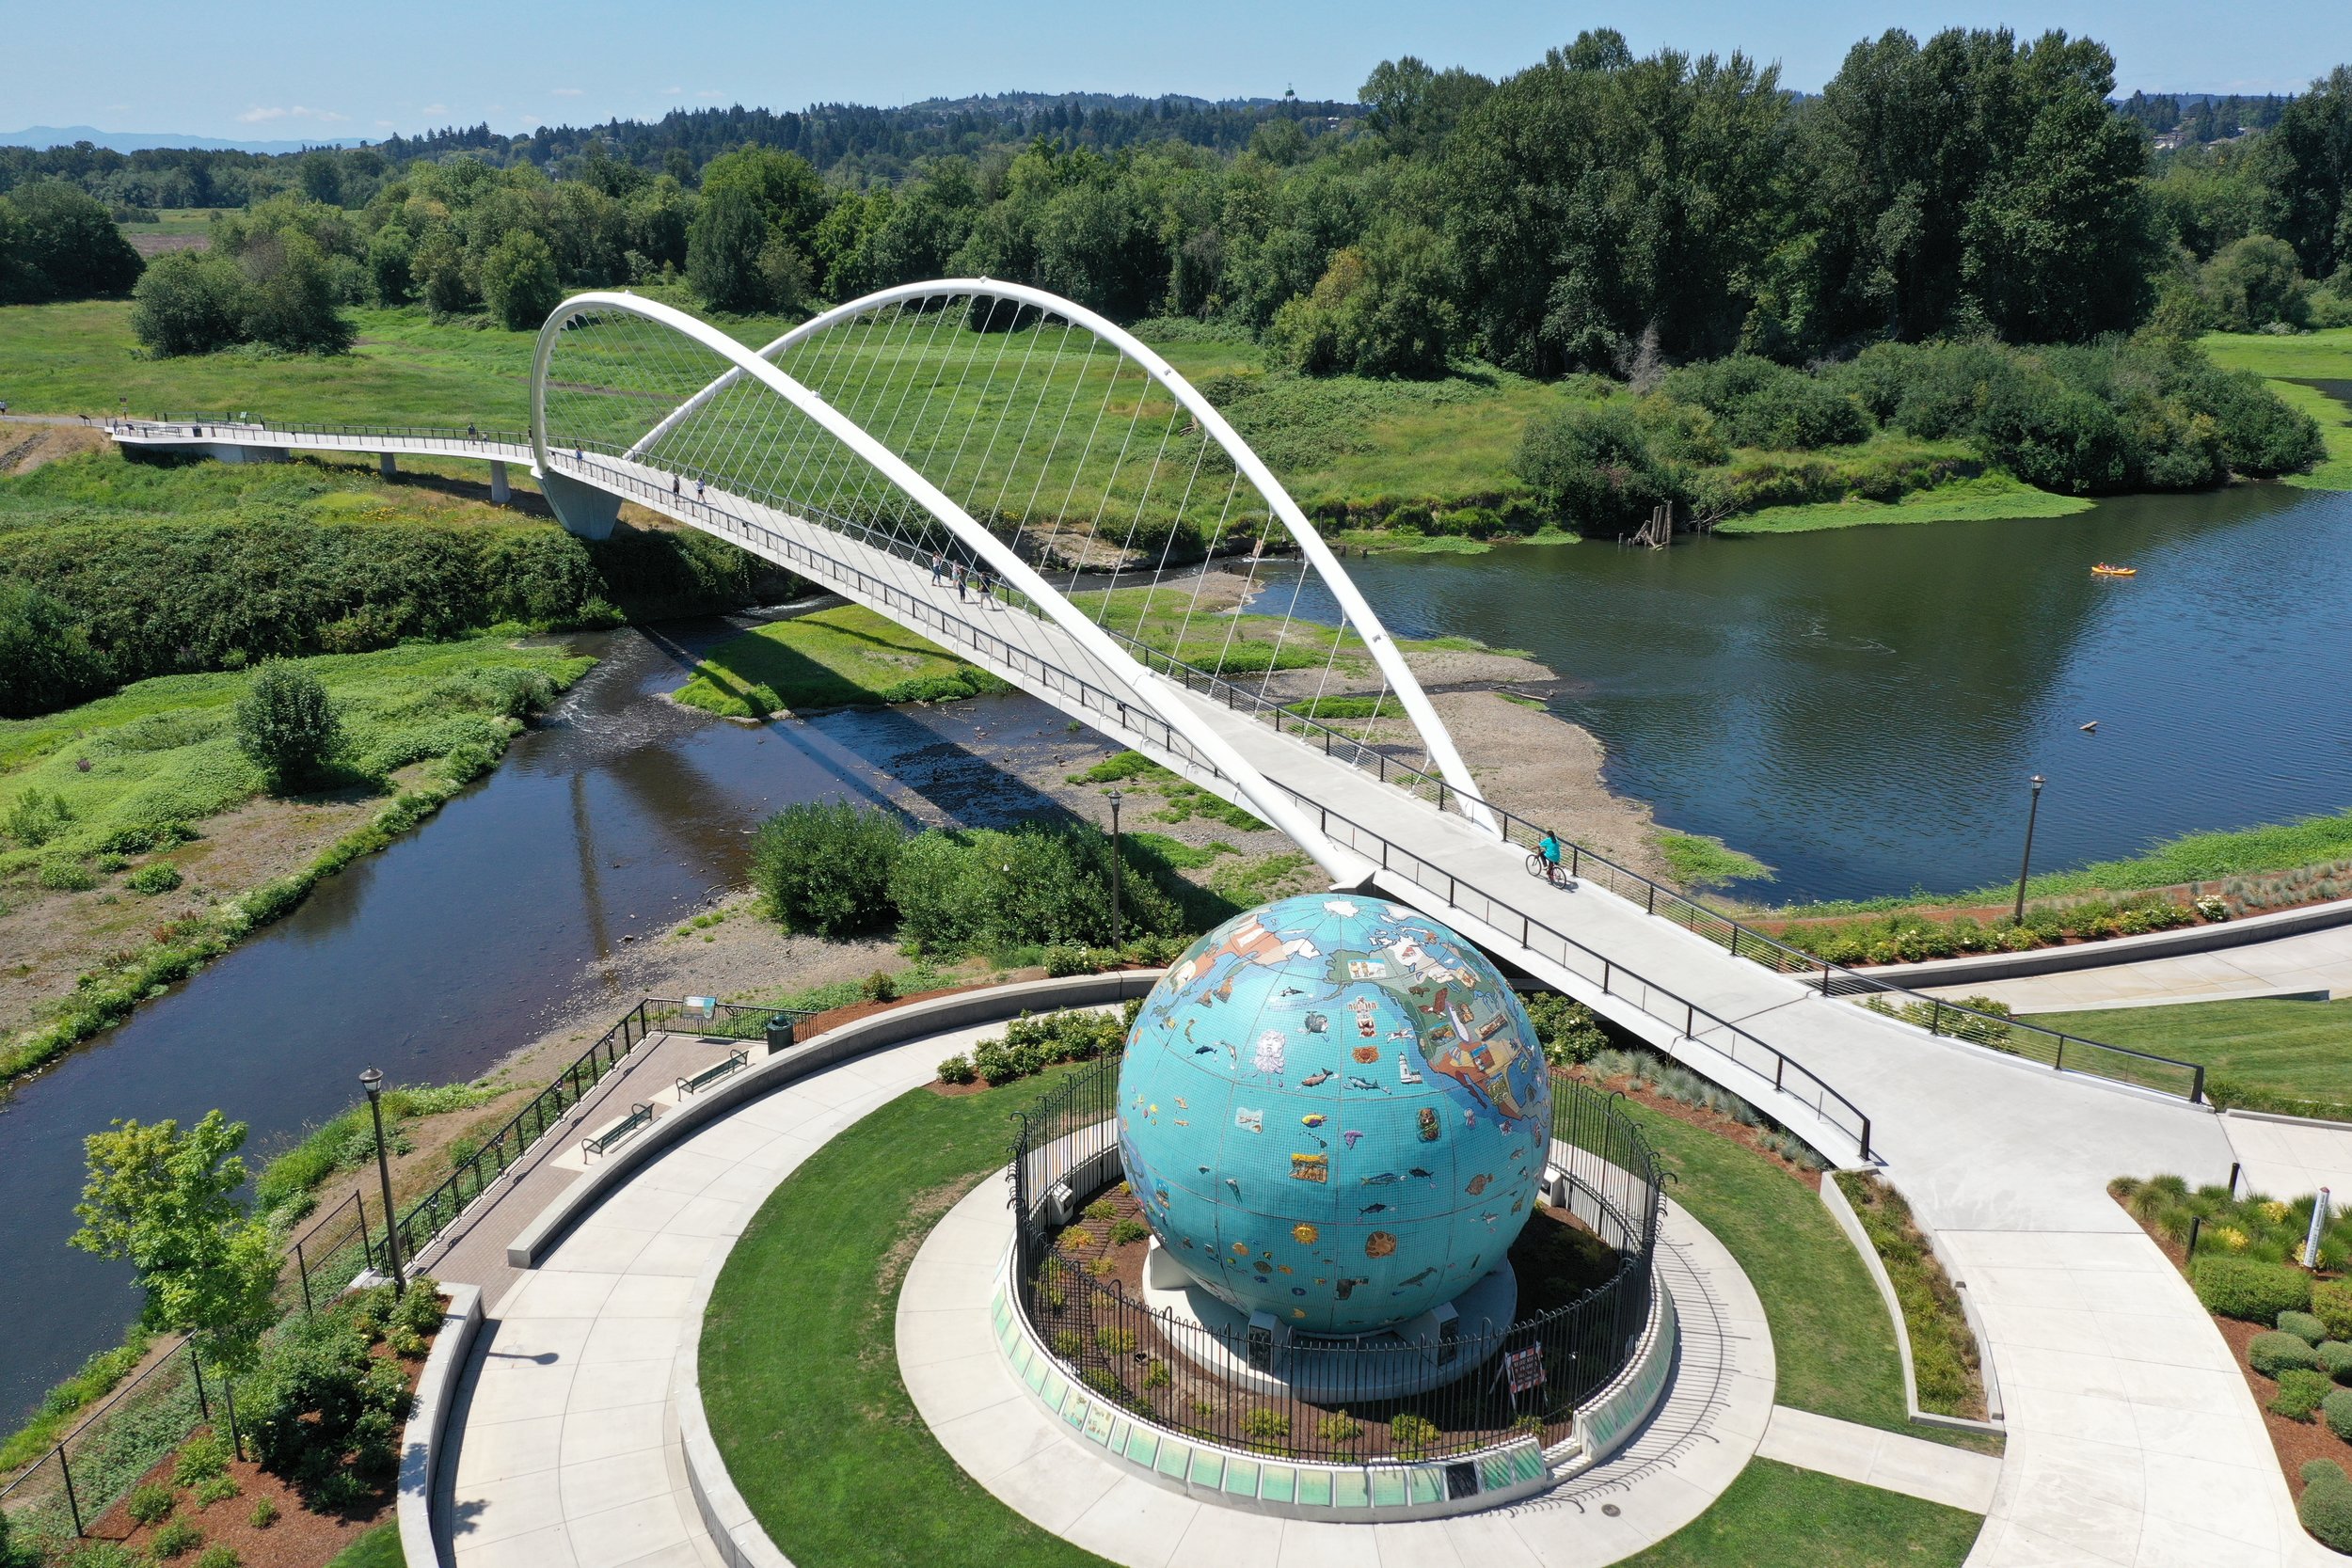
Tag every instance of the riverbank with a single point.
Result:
(148, 786)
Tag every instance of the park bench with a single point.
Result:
(604, 1142)
(735, 1060)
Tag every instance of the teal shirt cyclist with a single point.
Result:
(1549, 847)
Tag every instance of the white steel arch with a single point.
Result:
(1150, 691)
(1382, 646)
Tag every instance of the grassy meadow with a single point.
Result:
(835, 657)
(2287, 363)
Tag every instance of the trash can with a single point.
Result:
(780, 1027)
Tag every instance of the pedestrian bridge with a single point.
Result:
(1025, 483)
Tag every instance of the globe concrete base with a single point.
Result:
(1416, 1355)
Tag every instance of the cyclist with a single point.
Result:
(1549, 846)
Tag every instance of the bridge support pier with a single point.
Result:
(500, 494)
(385, 467)
(582, 508)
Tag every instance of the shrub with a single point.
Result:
(2252, 1290)
(35, 816)
(1064, 957)
(957, 1070)
(1413, 1436)
(879, 986)
(421, 1308)
(1339, 1429)
(2273, 1352)
(46, 661)
(2300, 1394)
(1156, 1375)
(2331, 1304)
(219, 1557)
(1128, 1231)
(219, 1489)
(1571, 1035)
(264, 1514)
(1102, 1209)
(1596, 468)
(159, 877)
(2303, 1326)
(105, 1554)
(2335, 1359)
(2326, 1506)
(825, 867)
(1266, 1426)
(64, 873)
(2335, 1408)
(189, 302)
(202, 1458)
(1759, 404)
(285, 725)
(150, 1504)
(1115, 1342)
(176, 1539)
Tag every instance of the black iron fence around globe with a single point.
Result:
(1528, 1377)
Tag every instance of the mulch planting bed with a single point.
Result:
(302, 1536)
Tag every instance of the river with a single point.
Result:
(458, 945)
(1860, 708)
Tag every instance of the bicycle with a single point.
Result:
(1550, 871)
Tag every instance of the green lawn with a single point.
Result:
(1832, 1338)
(805, 1401)
(1777, 1517)
(378, 1548)
(1987, 496)
(178, 220)
(798, 1373)
(2266, 1050)
(2287, 362)
(830, 658)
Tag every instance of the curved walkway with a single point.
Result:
(566, 1451)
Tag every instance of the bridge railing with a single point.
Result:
(2052, 1048)
(227, 427)
(2060, 1052)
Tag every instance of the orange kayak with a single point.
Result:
(2104, 570)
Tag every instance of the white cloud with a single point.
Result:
(673, 91)
(434, 109)
(710, 92)
(565, 92)
(256, 116)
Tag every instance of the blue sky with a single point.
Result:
(269, 69)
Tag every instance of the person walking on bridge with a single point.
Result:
(939, 567)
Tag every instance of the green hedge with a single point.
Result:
(2252, 1291)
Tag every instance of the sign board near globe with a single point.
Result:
(1334, 1111)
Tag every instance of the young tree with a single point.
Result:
(291, 301)
(189, 302)
(519, 281)
(2307, 162)
(285, 725)
(2252, 283)
(165, 1202)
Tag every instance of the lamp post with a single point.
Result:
(372, 1081)
(2033, 809)
(1114, 797)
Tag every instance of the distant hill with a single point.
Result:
(42, 137)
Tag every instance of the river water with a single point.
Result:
(461, 942)
(1860, 708)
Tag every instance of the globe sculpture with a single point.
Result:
(1334, 1112)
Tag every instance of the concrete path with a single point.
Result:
(565, 1445)
(2315, 961)
(2291, 1160)
(1715, 1414)
(1916, 1466)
